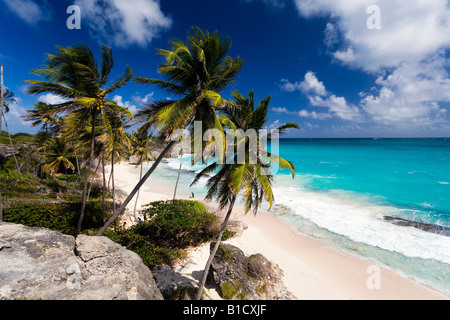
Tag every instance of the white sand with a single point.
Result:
(312, 271)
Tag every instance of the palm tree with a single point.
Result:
(142, 143)
(252, 178)
(117, 140)
(57, 153)
(73, 74)
(8, 96)
(42, 115)
(196, 72)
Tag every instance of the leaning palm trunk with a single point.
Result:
(137, 195)
(179, 172)
(216, 247)
(103, 189)
(113, 190)
(88, 171)
(92, 182)
(121, 209)
(78, 170)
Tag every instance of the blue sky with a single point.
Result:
(348, 68)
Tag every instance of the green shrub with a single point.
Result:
(233, 292)
(62, 217)
(179, 223)
(168, 228)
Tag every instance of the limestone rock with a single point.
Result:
(239, 277)
(37, 263)
(6, 151)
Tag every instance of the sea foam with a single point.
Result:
(361, 221)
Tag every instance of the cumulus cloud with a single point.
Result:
(314, 115)
(281, 110)
(30, 11)
(50, 98)
(136, 103)
(16, 111)
(408, 54)
(408, 32)
(319, 97)
(127, 104)
(411, 94)
(309, 84)
(304, 113)
(339, 106)
(124, 23)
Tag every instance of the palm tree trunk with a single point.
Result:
(88, 171)
(137, 195)
(216, 247)
(92, 182)
(179, 172)
(103, 189)
(121, 209)
(112, 177)
(109, 180)
(12, 150)
(78, 170)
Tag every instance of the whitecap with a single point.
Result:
(362, 222)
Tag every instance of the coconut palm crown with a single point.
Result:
(196, 73)
(253, 178)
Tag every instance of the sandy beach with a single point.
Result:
(312, 271)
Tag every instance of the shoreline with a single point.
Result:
(312, 270)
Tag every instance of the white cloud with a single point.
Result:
(312, 84)
(142, 101)
(338, 106)
(319, 97)
(408, 54)
(124, 23)
(345, 56)
(51, 98)
(331, 35)
(281, 110)
(314, 115)
(304, 113)
(14, 116)
(127, 104)
(411, 94)
(309, 84)
(30, 11)
(408, 32)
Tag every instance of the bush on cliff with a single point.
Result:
(168, 228)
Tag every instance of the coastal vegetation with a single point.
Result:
(167, 230)
(74, 75)
(196, 73)
(58, 178)
(251, 178)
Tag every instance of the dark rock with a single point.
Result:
(433, 228)
(239, 277)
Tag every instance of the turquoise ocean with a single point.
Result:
(383, 200)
